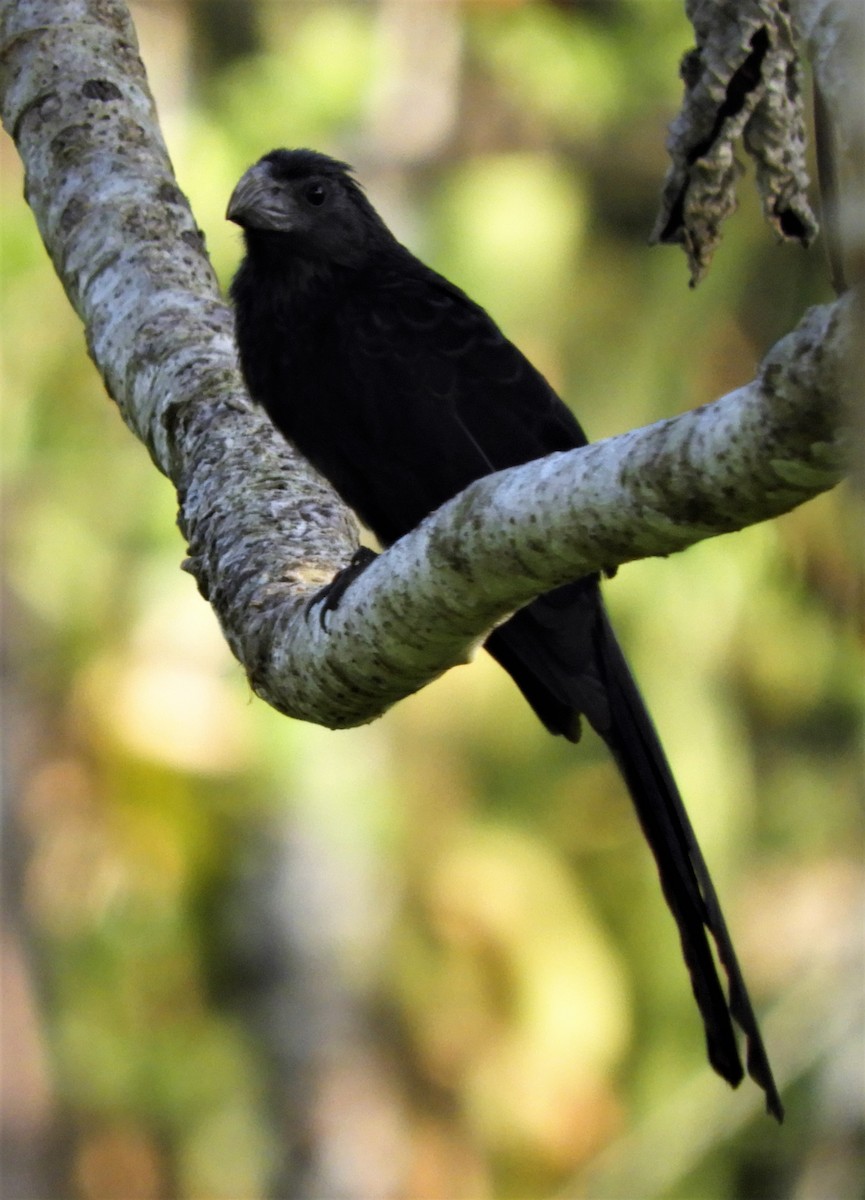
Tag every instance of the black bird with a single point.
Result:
(401, 391)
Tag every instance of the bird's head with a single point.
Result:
(308, 204)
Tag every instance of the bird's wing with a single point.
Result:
(477, 404)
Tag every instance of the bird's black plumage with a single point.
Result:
(402, 391)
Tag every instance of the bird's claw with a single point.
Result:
(330, 595)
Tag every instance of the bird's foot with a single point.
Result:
(330, 595)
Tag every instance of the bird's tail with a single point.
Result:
(685, 878)
(533, 648)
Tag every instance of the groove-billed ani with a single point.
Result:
(401, 391)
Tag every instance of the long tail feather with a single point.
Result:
(563, 654)
(685, 878)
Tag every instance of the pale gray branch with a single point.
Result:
(834, 33)
(263, 530)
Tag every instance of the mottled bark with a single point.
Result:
(263, 530)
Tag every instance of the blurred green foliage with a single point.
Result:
(426, 958)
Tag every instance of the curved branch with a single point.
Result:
(264, 531)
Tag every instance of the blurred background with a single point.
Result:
(248, 958)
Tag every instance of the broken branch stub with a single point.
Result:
(742, 80)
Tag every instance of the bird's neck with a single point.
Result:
(275, 256)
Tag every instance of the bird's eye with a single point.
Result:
(315, 193)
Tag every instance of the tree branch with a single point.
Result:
(834, 33)
(264, 531)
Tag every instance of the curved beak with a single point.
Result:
(258, 202)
